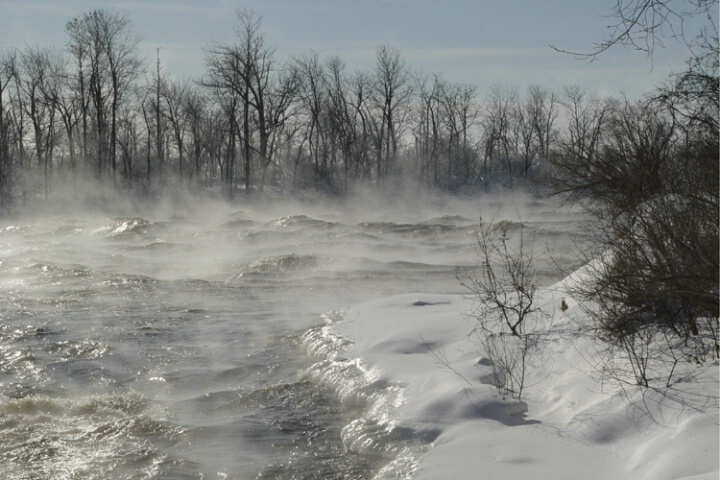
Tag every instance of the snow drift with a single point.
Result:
(432, 410)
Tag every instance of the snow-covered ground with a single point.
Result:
(412, 359)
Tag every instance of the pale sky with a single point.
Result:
(479, 42)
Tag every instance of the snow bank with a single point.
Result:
(432, 410)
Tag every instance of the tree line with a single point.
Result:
(646, 170)
(253, 119)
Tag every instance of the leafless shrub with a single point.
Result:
(652, 189)
(506, 287)
(505, 299)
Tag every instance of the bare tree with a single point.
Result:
(279, 109)
(335, 119)
(121, 52)
(228, 70)
(105, 51)
(391, 94)
(460, 114)
(360, 92)
(129, 140)
(498, 126)
(312, 93)
(247, 69)
(150, 107)
(158, 114)
(196, 113)
(8, 70)
(542, 109)
(173, 96)
(36, 85)
(428, 120)
(58, 92)
(18, 118)
(344, 120)
(586, 116)
(646, 24)
(526, 139)
(86, 44)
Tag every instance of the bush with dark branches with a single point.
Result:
(504, 294)
(653, 190)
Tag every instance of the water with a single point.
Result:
(178, 343)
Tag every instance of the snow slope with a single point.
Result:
(433, 411)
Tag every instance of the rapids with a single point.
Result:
(186, 342)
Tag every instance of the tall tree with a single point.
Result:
(391, 95)
(58, 93)
(247, 70)
(36, 85)
(312, 93)
(535, 116)
(278, 110)
(498, 128)
(105, 50)
(345, 120)
(461, 114)
(428, 120)
(157, 109)
(238, 72)
(8, 70)
(174, 97)
(196, 113)
(587, 116)
(543, 112)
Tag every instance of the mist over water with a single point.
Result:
(175, 340)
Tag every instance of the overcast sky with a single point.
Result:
(479, 42)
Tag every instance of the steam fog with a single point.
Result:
(163, 339)
(196, 282)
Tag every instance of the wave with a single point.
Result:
(375, 432)
(159, 246)
(425, 267)
(411, 230)
(126, 280)
(279, 264)
(15, 229)
(240, 222)
(124, 227)
(97, 437)
(60, 272)
(308, 416)
(69, 227)
(20, 273)
(364, 266)
(238, 219)
(452, 219)
(21, 362)
(509, 226)
(79, 350)
(301, 221)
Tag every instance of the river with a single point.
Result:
(168, 342)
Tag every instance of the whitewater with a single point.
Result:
(317, 338)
